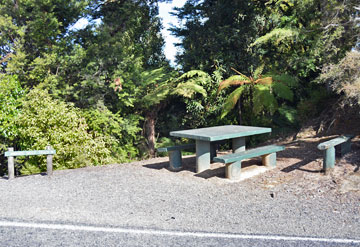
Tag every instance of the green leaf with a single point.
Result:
(283, 91)
(276, 36)
(259, 70)
(153, 76)
(193, 73)
(288, 113)
(231, 101)
(235, 80)
(188, 89)
(286, 79)
(156, 96)
(263, 99)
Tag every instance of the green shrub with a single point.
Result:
(313, 105)
(44, 121)
(120, 135)
(11, 94)
(344, 78)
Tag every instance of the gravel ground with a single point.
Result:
(294, 199)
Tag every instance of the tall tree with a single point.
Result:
(215, 31)
(154, 92)
(125, 43)
(32, 33)
(300, 36)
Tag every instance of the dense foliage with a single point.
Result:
(105, 93)
(344, 77)
(44, 121)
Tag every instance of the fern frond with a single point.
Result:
(288, 113)
(276, 36)
(263, 99)
(156, 96)
(231, 101)
(264, 81)
(235, 80)
(282, 91)
(286, 79)
(188, 89)
(193, 73)
(154, 76)
(259, 70)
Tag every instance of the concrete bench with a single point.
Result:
(329, 150)
(175, 159)
(233, 161)
(11, 154)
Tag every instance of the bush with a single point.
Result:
(11, 94)
(318, 99)
(44, 121)
(344, 77)
(120, 135)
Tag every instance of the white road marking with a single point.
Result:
(174, 233)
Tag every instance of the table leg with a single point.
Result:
(202, 155)
(213, 149)
(233, 170)
(238, 144)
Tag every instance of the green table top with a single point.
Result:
(218, 133)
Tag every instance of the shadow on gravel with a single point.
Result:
(218, 169)
(188, 164)
(210, 173)
(43, 174)
(303, 150)
(157, 166)
(307, 152)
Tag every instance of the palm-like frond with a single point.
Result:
(263, 99)
(264, 81)
(259, 71)
(235, 80)
(153, 76)
(193, 73)
(231, 101)
(286, 79)
(276, 36)
(282, 91)
(188, 89)
(288, 113)
(155, 96)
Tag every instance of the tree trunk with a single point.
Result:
(239, 110)
(149, 129)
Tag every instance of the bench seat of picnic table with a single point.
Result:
(175, 159)
(233, 160)
(329, 150)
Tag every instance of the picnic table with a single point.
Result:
(205, 136)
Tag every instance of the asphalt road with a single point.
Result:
(144, 204)
(51, 234)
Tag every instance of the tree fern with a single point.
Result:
(188, 89)
(276, 36)
(286, 79)
(156, 96)
(288, 113)
(231, 101)
(259, 70)
(282, 91)
(193, 73)
(235, 80)
(261, 91)
(155, 75)
(264, 81)
(263, 99)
